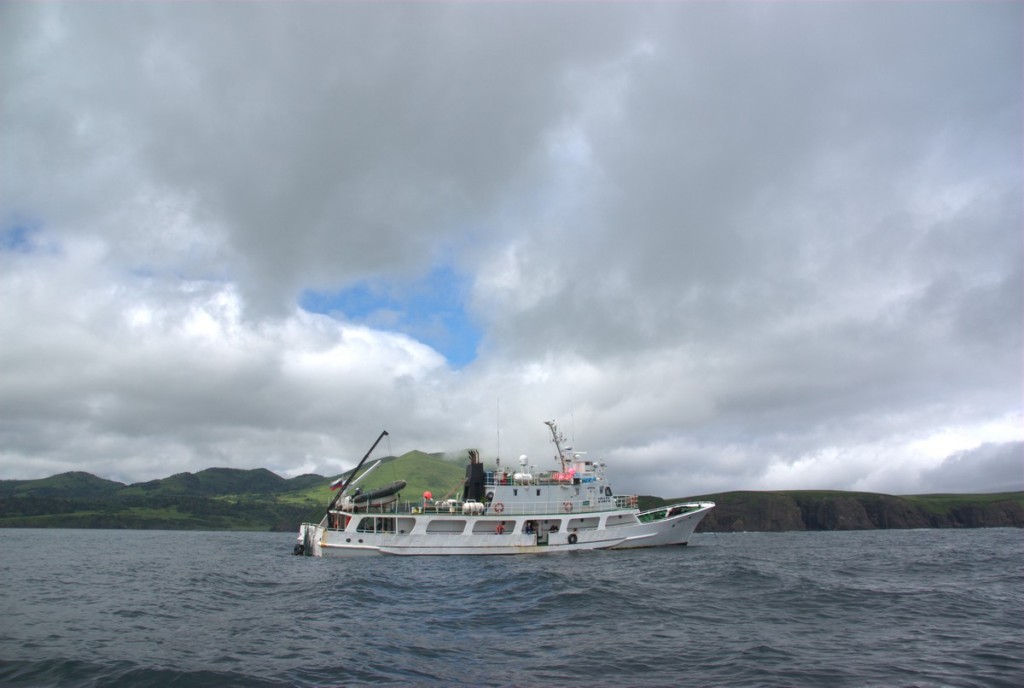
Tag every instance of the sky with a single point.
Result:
(727, 246)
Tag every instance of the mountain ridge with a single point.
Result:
(259, 499)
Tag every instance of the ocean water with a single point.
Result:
(879, 608)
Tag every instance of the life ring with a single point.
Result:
(567, 506)
(607, 491)
(499, 507)
(572, 538)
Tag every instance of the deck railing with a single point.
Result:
(499, 509)
(495, 479)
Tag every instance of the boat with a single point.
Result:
(571, 507)
(382, 496)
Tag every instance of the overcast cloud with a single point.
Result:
(728, 246)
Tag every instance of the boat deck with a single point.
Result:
(453, 507)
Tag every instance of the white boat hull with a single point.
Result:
(671, 530)
(503, 511)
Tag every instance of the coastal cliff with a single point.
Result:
(835, 510)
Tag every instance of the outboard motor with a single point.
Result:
(304, 547)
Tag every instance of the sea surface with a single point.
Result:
(160, 608)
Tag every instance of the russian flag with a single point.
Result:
(338, 483)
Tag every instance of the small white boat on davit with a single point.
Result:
(502, 511)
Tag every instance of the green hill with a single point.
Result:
(421, 471)
(257, 499)
(74, 484)
(212, 481)
(212, 499)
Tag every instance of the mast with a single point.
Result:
(557, 438)
(352, 475)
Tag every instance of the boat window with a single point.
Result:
(376, 524)
(621, 520)
(587, 523)
(538, 492)
(446, 525)
(552, 525)
(491, 526)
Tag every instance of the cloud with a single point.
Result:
(729, 247)
(989, 468)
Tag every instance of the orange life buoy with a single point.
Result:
(499, 507)
(567, 506)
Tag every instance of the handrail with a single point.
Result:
(508, 509)
(454, 507)
(541, 480)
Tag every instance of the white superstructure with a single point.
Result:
(505, 512)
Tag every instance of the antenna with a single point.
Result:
(497, 430)
(572, 419)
